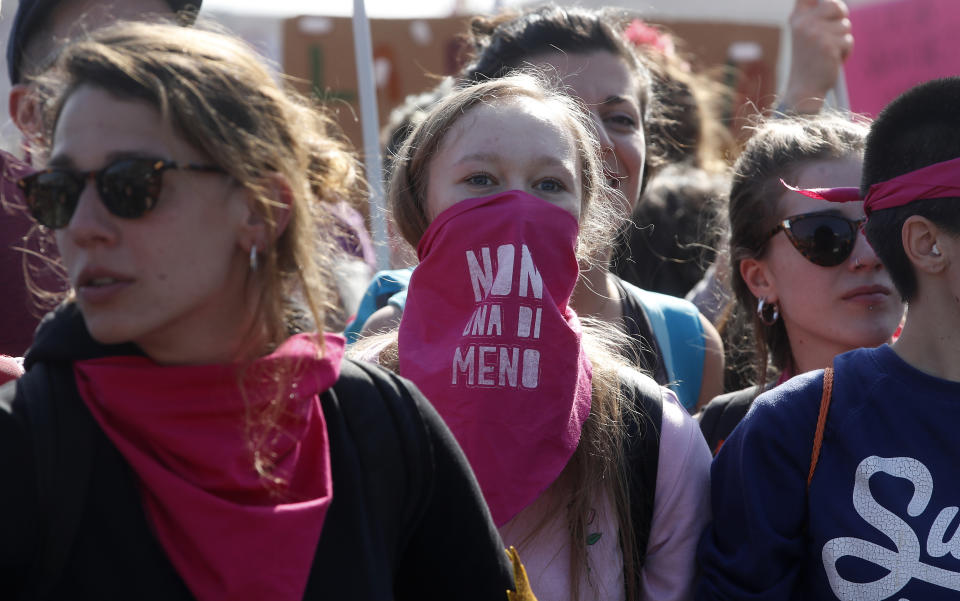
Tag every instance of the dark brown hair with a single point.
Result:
(920, 128)
(507, 42)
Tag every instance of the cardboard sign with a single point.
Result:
(749, 55)
(899, 44)
(410, 55)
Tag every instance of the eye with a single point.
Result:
(479, 179)
(621, 121)
(550, 185)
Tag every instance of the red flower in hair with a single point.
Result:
(639, 33)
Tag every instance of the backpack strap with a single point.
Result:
(821, 422)
(64, 443)
(641, 350)
(676, 326)
(643, 424)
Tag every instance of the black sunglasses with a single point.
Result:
(129, 188)
(824, 239)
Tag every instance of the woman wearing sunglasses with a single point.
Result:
(801, 268)
(185, 429)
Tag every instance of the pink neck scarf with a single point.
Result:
(182, 430)
(940, 180)
(488, 336)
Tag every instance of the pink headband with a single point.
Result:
(940, 180)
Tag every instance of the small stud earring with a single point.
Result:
(253, 258)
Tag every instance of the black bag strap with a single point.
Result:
(643, 426)
(643, 350)
(64, 437)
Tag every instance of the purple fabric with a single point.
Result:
(350, 232)
(17, 319)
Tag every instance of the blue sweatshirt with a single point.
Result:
(880, 520)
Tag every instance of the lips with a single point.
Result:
(98, 282)
(97, 277)
(96, 285)
(868, 294)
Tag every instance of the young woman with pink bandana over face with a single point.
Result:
(594, 472)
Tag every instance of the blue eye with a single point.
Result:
(550, 185)
(479, 179)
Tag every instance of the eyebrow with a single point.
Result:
(828, 212)
(546, 160)
(478, 157)
(612, 100)
(66, 162)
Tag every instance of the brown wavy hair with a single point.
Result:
(779, 149)
(219, 96)
(506, 42)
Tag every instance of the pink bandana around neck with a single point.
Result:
(489, 338)
(940, 180)
(182, 430)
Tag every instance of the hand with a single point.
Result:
(822, 40)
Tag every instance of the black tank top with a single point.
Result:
(642, 350)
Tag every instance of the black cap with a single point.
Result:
(31, 15)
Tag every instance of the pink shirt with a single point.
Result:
(681, 511)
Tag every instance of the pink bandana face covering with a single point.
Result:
(940, 180)
(489, 338)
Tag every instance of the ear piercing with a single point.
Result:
(768, 313)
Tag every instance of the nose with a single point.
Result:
(863, 255)
(601, 132)
(607, 148)
(91, 222)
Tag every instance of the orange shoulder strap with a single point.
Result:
(821, 422)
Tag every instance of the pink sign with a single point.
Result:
(899, 44)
